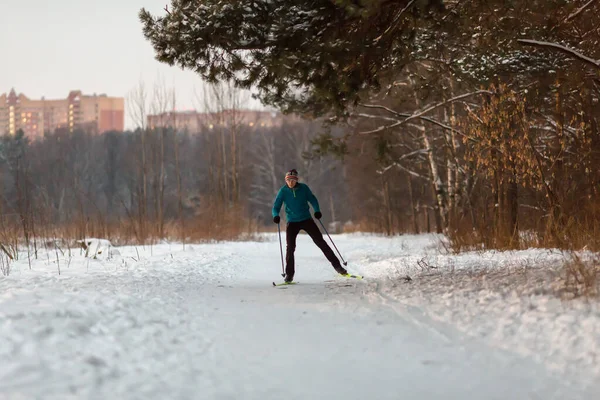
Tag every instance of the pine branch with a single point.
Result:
(395, 22)
(564, 49)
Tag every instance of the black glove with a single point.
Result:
(276, 219)
(318, 215)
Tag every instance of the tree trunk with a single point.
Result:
(438, 186)
(454, 181)
(440, 192)
(592, 111)
(332, 206)
(412, 205)
(388, 209)
(179, 190)
(144, 195)
(234, 159)
(512, 195)
(161, 186)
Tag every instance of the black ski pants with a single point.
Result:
(309, 226)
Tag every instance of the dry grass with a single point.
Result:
(464, 237)
(571, 235)
(213, 223)
(364, 225)
(573, 278)
(563, 232)
(581, 277)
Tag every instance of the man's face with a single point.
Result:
(290, 182)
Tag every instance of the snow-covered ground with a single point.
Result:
(204, 322)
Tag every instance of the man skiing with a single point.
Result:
(296, 197)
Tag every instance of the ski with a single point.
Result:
(347, 276)
(284, 283)
(353, 276)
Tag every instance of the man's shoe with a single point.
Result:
(288, 279)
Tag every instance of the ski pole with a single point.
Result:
(281, 250)
(344, 262)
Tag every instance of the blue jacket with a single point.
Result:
(296, 201)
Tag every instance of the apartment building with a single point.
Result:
(193, 121)
(95, 113)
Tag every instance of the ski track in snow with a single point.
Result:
(206, 323)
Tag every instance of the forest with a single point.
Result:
(475, 119)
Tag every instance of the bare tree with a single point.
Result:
(137, 102)
(223, 102)
(162, 106)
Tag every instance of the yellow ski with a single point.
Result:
(284, 283)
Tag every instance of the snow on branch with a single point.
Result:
(413, 153)
(363, 115)
(418, 114)
(564, 49)
(579, 11)
(442, 125)
(398, 122)
(381, 107)
(403, 168)
(381, 128)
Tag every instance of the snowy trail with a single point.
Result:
(205, 323)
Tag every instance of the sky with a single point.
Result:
(49, 48)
